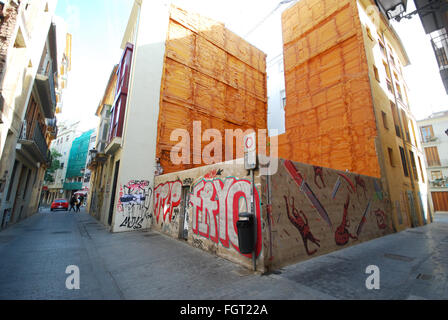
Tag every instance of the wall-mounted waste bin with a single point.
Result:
(246, 232)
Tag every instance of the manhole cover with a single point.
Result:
(398, 257)
(61, 232)
(422, 276)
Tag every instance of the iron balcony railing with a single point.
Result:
(36, 140)
(439, 41)
(46, 89)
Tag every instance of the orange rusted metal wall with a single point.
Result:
(330, 120)
(210, 75)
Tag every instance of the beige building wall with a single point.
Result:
(28, 40)
(202, 206)
(395, 122)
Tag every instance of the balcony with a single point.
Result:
(431, 139)
(52, 128)
(96, 158)
(439, 183)
(46, 90)
(439, 42)
(32, 140)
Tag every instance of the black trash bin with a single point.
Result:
(246, 233)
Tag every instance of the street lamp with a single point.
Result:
(393, 9)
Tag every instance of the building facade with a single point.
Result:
(433, 133)
(99, 163)
(214, 79)
(347, 106)
(67, 132)
(30, 75)
(74, 177)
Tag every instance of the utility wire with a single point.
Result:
(270, 14)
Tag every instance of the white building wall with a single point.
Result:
(276, 95)
(439, 122)
(137, 162)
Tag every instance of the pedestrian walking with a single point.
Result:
(78, 204)
(72, 203)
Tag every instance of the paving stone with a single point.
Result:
(146, 265)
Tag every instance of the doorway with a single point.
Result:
(114, 191)
(183, 219)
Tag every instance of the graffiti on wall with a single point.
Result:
(167, 198)
(134, 203)
(342, 234)
(300, 221)
(216, 205)
(351, 191)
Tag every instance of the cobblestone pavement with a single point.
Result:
(34, 255)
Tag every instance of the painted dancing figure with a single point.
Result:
(342, 235)
(302, 225)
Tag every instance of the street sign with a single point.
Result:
(250, 151)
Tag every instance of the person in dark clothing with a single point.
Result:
(81, 200)
(72, 203)
(78, 204)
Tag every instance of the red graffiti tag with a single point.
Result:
(216, 206)
(167, 196)
(380, 219)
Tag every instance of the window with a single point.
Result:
(427, 133)
(432, 156)
(283, 97)
(392, 60)
(435, 175)
(386, 68)
(395, 117)
(414, 166)
(421, 169)
(377, 75)
(369, 33)
(404, 162)
(400, 96)
(391, 157)
(406, 125)
(413, 132)
(382, 48)
(62, 165)
(384, 116)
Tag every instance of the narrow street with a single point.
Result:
(147, 265)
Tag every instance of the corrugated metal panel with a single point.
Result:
(210, 75)
(329, 110)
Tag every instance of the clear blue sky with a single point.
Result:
(97, 27)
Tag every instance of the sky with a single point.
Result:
(97, 27)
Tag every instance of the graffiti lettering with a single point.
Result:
(134, 203)
(133, 223)
(216, 206)
(380, 219)
(167, 197)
